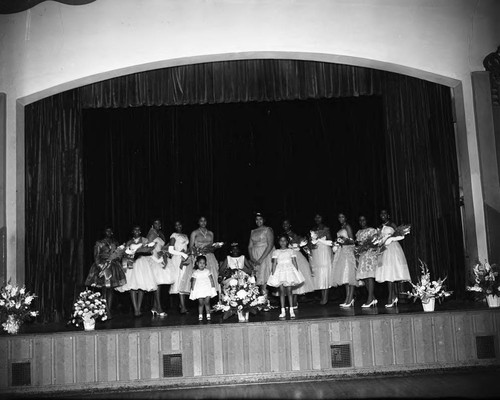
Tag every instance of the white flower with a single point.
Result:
(34, 313)
(29, 299)
(22, 290)
(233, 282)
(251, 280)
(233, 303)
(242, 294)
(226, 308)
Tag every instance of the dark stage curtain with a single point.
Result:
(170, 158)
(54, 202)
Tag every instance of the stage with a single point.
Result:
(180, 351)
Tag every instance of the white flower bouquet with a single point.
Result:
(240, 293)
(15, 307)
(89, 306)
(302, 245)
(486, 280)
(426, 289)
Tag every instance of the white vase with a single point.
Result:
(89, 324)
(242, 316)
(429, 305)
(493, 301)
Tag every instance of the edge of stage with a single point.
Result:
(181, 351)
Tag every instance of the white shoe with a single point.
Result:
(292, 314)
(283, 314)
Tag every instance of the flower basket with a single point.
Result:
(486, 283)
(89, 324)
(88, 307)
(15, 307)
(429, 305)
(428, 290)
(240, 296)
(493, 301)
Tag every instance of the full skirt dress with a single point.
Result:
(321, 262)
(304, 268)
(114, 271)
(263, 270)
(344, 266)
(139, 277)
(392, 265)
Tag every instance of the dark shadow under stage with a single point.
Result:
(179, 351)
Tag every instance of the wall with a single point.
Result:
(54, 47)
(250, 351)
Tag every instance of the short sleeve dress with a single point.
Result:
(285, 273)
(202, 285)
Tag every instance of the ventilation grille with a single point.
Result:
(341, 355)
(485, 346)
(21, 373)
(172, 365)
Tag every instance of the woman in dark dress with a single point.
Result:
(106, 273)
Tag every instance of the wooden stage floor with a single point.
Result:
(309, 309)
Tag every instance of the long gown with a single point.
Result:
(139, 275)
(392, 265)
(321, 261)
(212, 263)
(304, 267)
(160, 272)
(258, 241)
(181, 277)
(368, 261)
(344, 263)
(114, 275)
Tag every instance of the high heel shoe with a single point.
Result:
(159, 314)
(372, 303)
(347, 305)
(394, 303)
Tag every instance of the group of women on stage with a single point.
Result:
(287, 268)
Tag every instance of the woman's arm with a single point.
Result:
(253, 260)
(350, 235)
(294, 260)
(270, 245)
(191, 241)
(97, 250)
(193, 281)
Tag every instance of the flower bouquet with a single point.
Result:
(15, 307)
(240, 295)
(302, 245)
(428, 291)
(486, 283)
(115, 255)
(399, 234)
(341, 241)
(372, 242)
(88, 307)
(135, 249)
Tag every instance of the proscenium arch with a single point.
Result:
(469, 224)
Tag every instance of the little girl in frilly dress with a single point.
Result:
(202, 287)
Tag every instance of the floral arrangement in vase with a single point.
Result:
(486, 283)
(15, 307)
(428, 290)
(240, 295)
(88, 307)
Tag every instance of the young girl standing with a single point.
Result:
(285, 274)
(202, 287)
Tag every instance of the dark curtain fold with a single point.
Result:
(54, 202)
(421, 178)
(233, 82)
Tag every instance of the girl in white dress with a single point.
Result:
(260, 247)
(202, 287)
(138, 271)
(285, 274)
(179, 267)
(321, 258)
(304, 266)
(392, 265)
(158, 266)
(367, 262)
(344, 262)
(234, 261)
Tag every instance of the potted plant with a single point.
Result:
(88, 307)
(15, 307)
(486, 283)
(427, 290)
(240, 296)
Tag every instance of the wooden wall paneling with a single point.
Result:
(42, 361)
(403, 340)
(154, 355)
(233, 346)
(187, 352)
(284, 348)
(443, 338)
(21, 348)
(85, 358)
(424, 343)
(294, 347)
(197, 353)
(483, 323)
(106, 360)
(315, 346)
(257, 335)
(128, 357)
(218, 352)
(304, 339)
(362, 344)
(274, 354)
(464, 338)
(4, 363)
(208, 352)
(382, 340)
(324, 342)
(64, 363)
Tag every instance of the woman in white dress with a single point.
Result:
(201, 243)
(158, 265)
(138, 271)
(304, 266)
(260, 247)
(344, 262)
(367, 262)
(392, 265)
(179, 267)
(321, 257)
